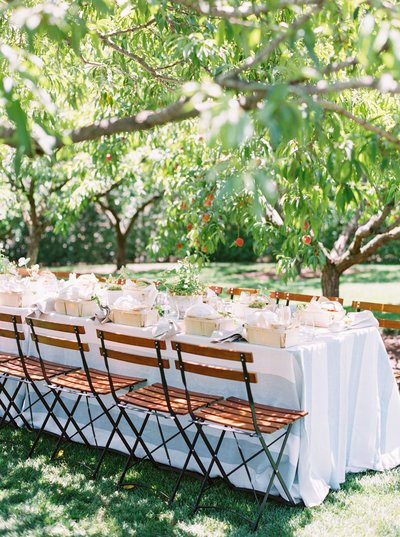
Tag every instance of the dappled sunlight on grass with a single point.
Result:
(40, 498)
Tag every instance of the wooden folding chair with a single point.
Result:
(157, 400)
(296, 297)
(25, 370)
(236, 291)
(82, 383)
(383, 323)
(235, 417)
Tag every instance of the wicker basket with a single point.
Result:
(76, 308)
(198, 326)
(273, 337)
(140, 318)
(16, 299)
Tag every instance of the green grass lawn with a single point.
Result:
(373, 283)
(39, 498)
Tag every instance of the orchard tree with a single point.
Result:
(308, 88)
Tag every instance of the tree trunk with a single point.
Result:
(121, 248)
(34, 237)
(330, 280)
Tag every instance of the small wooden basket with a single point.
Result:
(273, 337)
(139, 318)
(199, 326)
(321, 318)
(16, 299)
(76, 308)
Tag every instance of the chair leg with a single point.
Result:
(41, 430)
(63, 434)
(13, 405)
(182, 472)
(106, 447)
(214, 459)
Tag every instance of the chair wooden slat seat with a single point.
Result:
(236, 412)
(78, 380)
(153, 398)
(14, 367)
(5, 356)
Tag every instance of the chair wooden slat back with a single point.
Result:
(9, 332)
(60, 328)
(216, 288)
(210, 370)
(297, 297)
(377, 307)
(65, 275)
(235, 291)
(134, 343)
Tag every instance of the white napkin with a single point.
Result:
(202, 310)
(354, 320)
(165, 328)
(227, 336)
(44, 306)
(102, 315)
(127, 302)
(262, 319)
(362, 319)
(13, 285)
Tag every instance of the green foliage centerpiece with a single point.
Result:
(183, 286)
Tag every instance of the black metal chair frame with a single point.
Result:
(57, 391)
(27, 380)
(138, 433)
(265, 448)
(7, 408)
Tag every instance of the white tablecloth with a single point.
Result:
(344, 380)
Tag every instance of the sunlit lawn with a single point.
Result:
(39, 498)
(374, 283)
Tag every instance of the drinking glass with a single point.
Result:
(284, 314)
(307, 329)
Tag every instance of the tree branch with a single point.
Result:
(110, 213)
(272, 215)
(106, 67)
(369, 248)
(347, 232)
(152, 71)
(331, 68)
(144, 120)
(140, 209)
(385, 84)
(132, 29)
(262, 54)
(365, 231)
(328, 105)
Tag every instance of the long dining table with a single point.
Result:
(343, 380)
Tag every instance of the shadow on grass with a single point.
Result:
(43, 498)
(38, 497)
